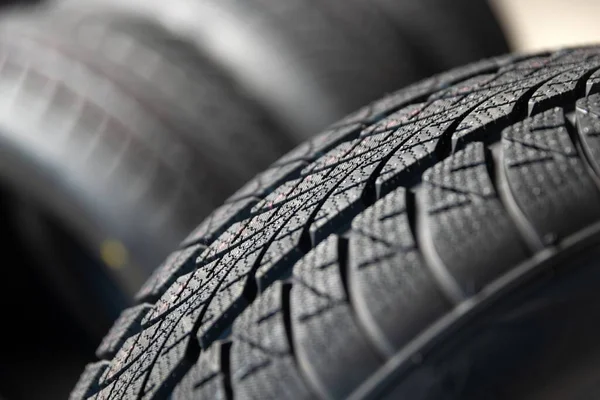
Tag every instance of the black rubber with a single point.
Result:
(123, 133)
(360, 264)
(160, 129)
(122, 126)
(307, 62)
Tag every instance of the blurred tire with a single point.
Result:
(308, 62)
(122, 134)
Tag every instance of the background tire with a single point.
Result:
(439, 243)
(125, 157)
(308, 63)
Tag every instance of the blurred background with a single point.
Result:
(536, 25)
(123, 123)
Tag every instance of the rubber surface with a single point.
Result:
(134, 112)
(162, 128)
(358, 247)
(309, 62)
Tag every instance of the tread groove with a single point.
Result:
(287, 318)
(490, 167)
(286, 308)
(226, 369)
(342, 250)
(529, 235)
(424, 242)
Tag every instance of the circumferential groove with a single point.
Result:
(416, 206)
(530, 237)
(286, 310)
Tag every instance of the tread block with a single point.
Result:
(265, 182)
(346, 196)
(88, 382)
(331, 159)
(472, 233)
(416, 143)
(295, 214)
(232, 276)
(394, 295)
(547, 177)
(207, 378)
(489, 65)
(218, 221)
(468, 87)
(562, 87)
(407, 96)
(481, 103)
(592, 86)
(154, 359)
(511, 89)
(404, 116)
(587, 113)
(171, 359)
(283, 250)
(129, 359)
(262, 364)
(321, 143)
(494, 109)
(320, 307)
(128, 323)
(177, 264)
(159, 357)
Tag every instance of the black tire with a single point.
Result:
(440, 243)
(121, 156)
(309, 62)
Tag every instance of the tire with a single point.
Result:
(105, 147)
(440, 243)
(308, 63)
